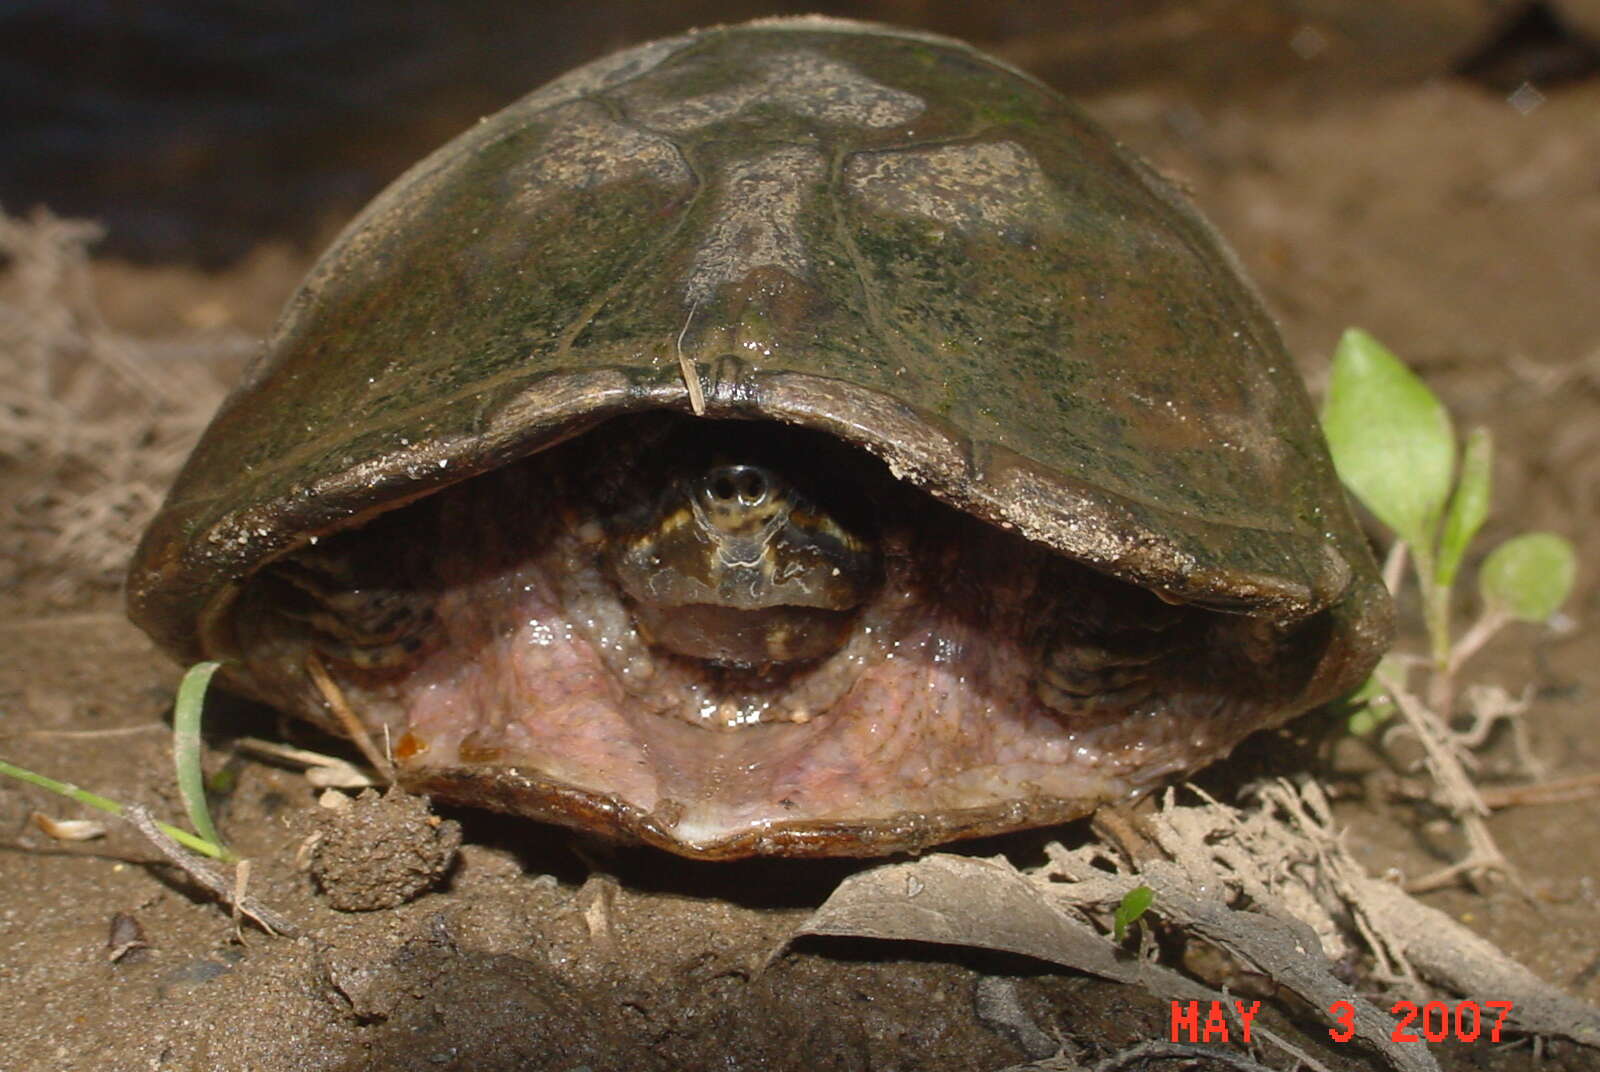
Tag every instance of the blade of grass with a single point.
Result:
(94, 800)
(186, 747)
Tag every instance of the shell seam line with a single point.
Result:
(618, 113)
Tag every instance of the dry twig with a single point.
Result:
(1448, 759)
(348, 720)
(231, 894)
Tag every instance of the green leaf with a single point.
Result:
(1468, 506)
(1134, 903)
(1391, 439)
(1370, 719)
(222, 782)
(1529, 576)
(1366, 708)
(1365, 692)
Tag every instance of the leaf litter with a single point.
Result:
(1271, 886)
(94, 414)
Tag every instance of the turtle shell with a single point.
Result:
(883, 236)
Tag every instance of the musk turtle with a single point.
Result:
(802, 437)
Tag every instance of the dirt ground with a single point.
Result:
(1460, 227)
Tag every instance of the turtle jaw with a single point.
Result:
(761, 641)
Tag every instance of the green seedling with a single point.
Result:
(1395, 448)
(1134, 904)
(186, 756)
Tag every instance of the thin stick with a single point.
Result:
(691, 375)
(197, 869)
(348, 775)
(347, 718)
(1394, 567)
(1142, 1052)
(1457, 793)
(64, 621)
(1555, 791)
(241, 882)
(87, 735)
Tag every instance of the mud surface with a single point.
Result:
(1461, 229)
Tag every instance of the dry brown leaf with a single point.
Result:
(984, 904)
(988, 904)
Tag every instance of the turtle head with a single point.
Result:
(736, 565)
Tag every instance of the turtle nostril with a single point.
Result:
(752, 487)
(731, 486)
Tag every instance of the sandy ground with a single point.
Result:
(1459, 229)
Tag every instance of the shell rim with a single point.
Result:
(189, 568)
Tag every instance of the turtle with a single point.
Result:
(800, 438)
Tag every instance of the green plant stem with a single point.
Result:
(93, 800)
(1436, 619)
(1435, 607)
(1488, 624)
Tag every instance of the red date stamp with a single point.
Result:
(1432, 1021)
(1208, 1021)
(1437, 1021)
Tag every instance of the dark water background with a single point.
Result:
(196, 129)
